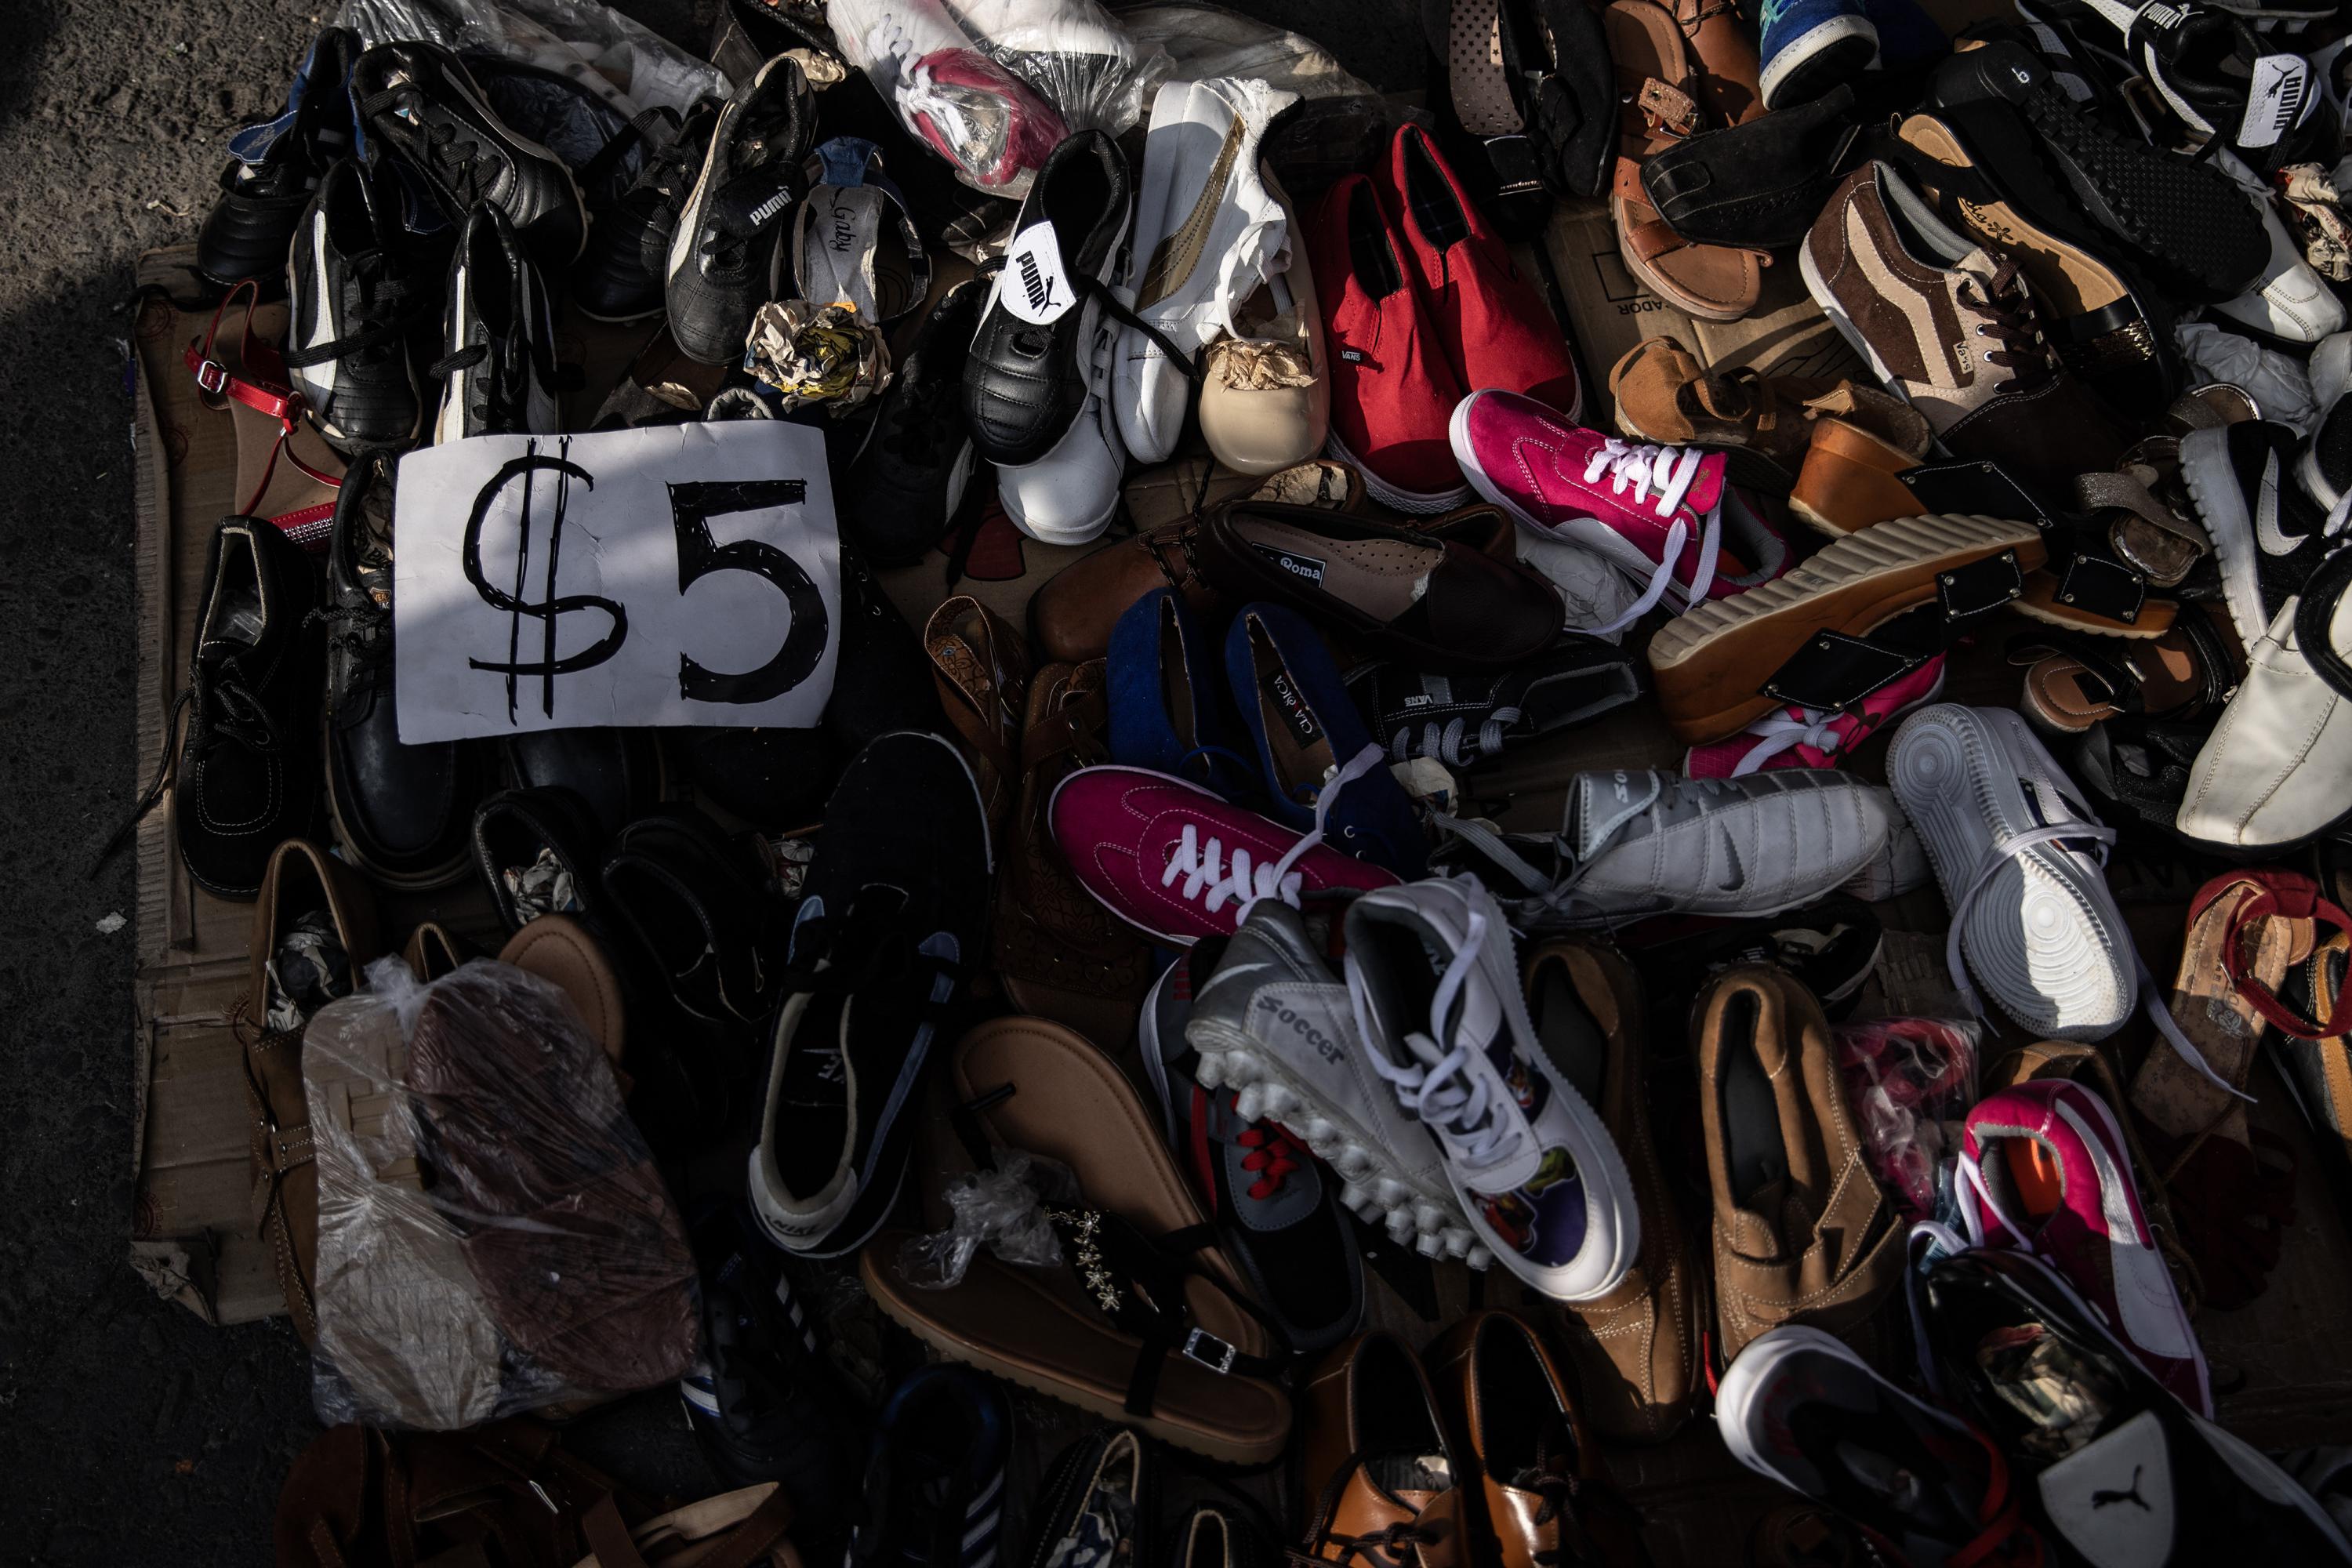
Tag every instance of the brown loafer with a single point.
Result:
(559, 949)
(301, 878)
(433, 950)
(1204, 1379)
(981, 669)
(1802, 1233)
(1544, 1495)
(1375, 1457)
(1636, 1350)
(1072, 616)
(1436, 600)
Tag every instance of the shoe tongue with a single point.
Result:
(752, 202)
(1605, 809)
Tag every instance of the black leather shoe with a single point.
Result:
(1025, 379)
(699, 907)
(352, 297)
(274, 165)
(903, 490)
(402, 812)
(616, 774)
(620, 276)
(536, 849)
(418, 102)
(727, 258)
(882, 680)
(497, 374)
(247, 776)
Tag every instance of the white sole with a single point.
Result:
(1739, 1398)
(1373, 1186)
(1386, 494)
(2221, 506)
(1815, 41)
(2043, 940)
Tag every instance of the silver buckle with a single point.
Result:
(1218, 1358)
(211, 376)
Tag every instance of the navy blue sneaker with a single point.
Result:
(763, 1403)
(935, 1475)
(1295, 707)
(1167, 706)
(1811, 46)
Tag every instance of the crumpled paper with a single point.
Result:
(814, 355)
(2278, 384)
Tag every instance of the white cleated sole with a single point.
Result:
(1373, 1186)
(2044, 937)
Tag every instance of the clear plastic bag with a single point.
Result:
(630, 67)
(1002, 1209)
(1909, 1081)
(492, 1234)
(991, 84)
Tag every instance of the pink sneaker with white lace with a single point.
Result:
(1178, 863)
(1794, 737)
(2044, 1169)
(1662, 515)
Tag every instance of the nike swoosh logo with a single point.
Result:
(2266, 528)
(1734, 875)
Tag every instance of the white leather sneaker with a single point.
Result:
(2291, 302)
(1435, 986)
(2278, 766)
(1208, 235)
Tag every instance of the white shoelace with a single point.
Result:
(1545, 897)
(1778, 732)
(1668, 472)
(2151, 997)
(1453, 1096)
(1216, 876)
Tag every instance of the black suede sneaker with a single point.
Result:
(248, 773)
(726, 253)
(763, 1403)
(274, 166)
(497, 369)
(1026, 377)
(2191, 226)
(353, 299)
(418, 102)
(622, 273)
(401, 812)
(889, 931)
(903, 489)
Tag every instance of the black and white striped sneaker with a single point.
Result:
(354, 297)
(763, 1403)
(726, 253)
(935, 1475)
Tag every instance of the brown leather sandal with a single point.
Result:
(1661, 95)
(981, 669)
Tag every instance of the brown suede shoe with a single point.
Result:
(1665, 97)
(1955, 331)
(1803, 1234)
(1059, 952)
(1543, 1495)
(302, 881)
(1636, 1350)
(981, 667)
(1374, 1455)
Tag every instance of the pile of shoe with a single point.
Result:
(1431, 863)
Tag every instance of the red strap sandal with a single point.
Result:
(265, 388)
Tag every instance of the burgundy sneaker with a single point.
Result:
(1795, 737)
(1178, 863)
(2045, 1170)
(1662, 515)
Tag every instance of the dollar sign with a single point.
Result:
(552, 606)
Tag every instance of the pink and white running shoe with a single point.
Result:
(1662, 515)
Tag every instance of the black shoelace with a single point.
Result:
(451, 156)
(2007, 317)
(388, 306)
(230, 711)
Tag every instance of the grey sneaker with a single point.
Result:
(1271, 1024)
(1635, 844)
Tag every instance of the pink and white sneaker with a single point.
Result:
(1178, 863)
(1795, 737)
(2044, 1169)
(1662, 515)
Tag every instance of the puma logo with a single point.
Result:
(2104, 1499)
(1039, 288)
(770, 208)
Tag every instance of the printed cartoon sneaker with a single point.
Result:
(2045, 1169)
(1436, 986)
(1271, 1024)
(1662, 515)
(1273, 1204)
(1796, 736)
(1179, 864)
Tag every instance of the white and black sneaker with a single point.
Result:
(887, 931)
(352, 299)
(2253, 488)
(419, 101)
(1027, 377)
(2211, 68)
(727, 254)
(496, 367)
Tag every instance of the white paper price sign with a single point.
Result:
(680, 575)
